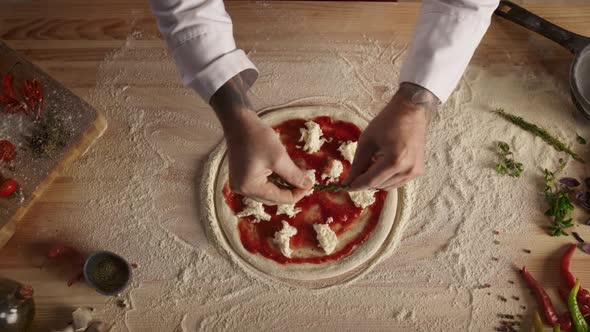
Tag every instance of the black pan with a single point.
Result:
(577, 44)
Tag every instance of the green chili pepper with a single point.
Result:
(538, 322)
(556, 328)
(577, 317)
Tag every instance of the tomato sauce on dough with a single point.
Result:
(317, 207)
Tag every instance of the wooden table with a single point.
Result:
(70, 38)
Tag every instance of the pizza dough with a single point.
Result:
(223, 222)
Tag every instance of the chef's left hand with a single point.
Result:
(391, 151)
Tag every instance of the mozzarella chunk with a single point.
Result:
(311, 136)
(333, 173)
(310, 174)
(288, 209)
(347, 150)
(253, 208)
(326, 237)
(329, 220)
(282, 238)
(363, 198)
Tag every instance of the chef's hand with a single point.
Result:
(254, 150)
(391, 150)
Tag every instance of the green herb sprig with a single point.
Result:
(560, 204)
(539, 132)
(507, 164)
(320, 187)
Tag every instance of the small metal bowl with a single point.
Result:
(108, 286)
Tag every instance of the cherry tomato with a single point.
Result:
(6, 150)
(7, 187)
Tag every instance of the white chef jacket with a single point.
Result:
(200, 37)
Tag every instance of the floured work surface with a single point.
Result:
(46, 137)
(136, 192)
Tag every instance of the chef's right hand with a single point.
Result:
(255, 151)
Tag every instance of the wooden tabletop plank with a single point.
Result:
(70, 38)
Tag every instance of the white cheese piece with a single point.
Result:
(347, 150)
(333, 172)
(310, 174)
(282, 238)
(288, 209)
(326, 237)
(329, 220)
(255, 209)
(311, 136)
(363, 198)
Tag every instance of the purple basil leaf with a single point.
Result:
(585, 248)
(587, 182)
(569, 182)
(583, 199)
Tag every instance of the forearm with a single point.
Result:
(414, 98)
(230, 102)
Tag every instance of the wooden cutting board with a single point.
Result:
(35, 172)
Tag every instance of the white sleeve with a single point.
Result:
(446, 36)
(200, 37)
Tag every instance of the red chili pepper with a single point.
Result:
(61, 250)
(565, 321)
(7, 187)
(543, 299)
(34, 96)
(583, 295)
(7, 87)
(65, 251)
(79, 276)
(6, 150)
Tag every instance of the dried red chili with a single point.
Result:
(6, 150)
(65, 251)
(34, 96)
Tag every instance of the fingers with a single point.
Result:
(382, 170)
(288, 171)
(270, 194)
(362, 160)
(396, 181)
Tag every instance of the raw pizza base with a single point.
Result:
(225, 222)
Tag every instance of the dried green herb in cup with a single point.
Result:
(107, 273)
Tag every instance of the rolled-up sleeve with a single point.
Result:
(446, 36)
(199, 34)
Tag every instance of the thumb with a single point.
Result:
(362, 160)
(289, 172)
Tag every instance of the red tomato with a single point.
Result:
(7, 187)
(6, 150)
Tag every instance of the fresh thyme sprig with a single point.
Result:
(320, 187)
(539, 132)
(560, 204)
(330, 187)
(507, 164)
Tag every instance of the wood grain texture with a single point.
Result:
(70, 38)
(35, 173)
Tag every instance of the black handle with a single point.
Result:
(513, 12)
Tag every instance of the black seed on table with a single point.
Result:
(527, 251)
(578, 237)
(511, 282)
(516, 298)
(496, 242)
(495, 259)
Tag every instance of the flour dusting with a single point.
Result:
(435, 280)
